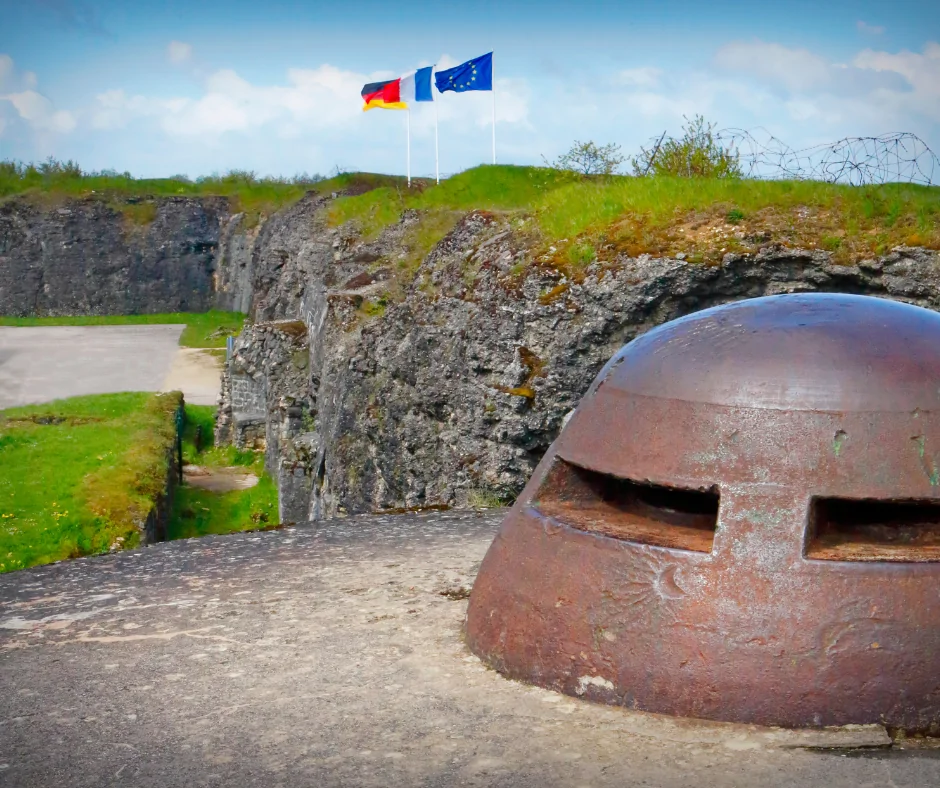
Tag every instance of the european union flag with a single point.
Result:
(476, 74)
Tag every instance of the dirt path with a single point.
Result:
(218, 480)
(196, 373)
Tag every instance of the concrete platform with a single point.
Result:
(40, 364)
(332, 656)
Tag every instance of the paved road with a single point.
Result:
(47, 363)
(333, 656)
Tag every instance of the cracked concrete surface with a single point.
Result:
(332, 656)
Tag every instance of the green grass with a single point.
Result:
(203, 329)
(78, 475)
(199, 512)
(488, 188)
(246, 192)
(595, 218)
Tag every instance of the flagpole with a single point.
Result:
(437, 156)
(494, 116)
(408, 111)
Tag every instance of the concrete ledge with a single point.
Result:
(333, 656)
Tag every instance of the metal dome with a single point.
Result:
(741, 521)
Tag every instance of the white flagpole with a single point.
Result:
(494, 116)
(437, 157)
(408, 111)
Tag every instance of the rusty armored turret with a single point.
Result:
(741, 522)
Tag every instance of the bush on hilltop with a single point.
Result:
(696, 154)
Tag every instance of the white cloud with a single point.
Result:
(30, 105)
(792, 69)
(37, 110)
(876, 90)
(178, 52)
(864, 27)
(921, 71)
(324, 98)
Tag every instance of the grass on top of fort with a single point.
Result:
(246, 192)
(566, 220)
(581, 219)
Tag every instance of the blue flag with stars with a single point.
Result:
(476, 74)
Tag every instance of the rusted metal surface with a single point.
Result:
(740, 522)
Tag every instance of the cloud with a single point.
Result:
(320, 99)
(178, 52)
(877, 89)
(921, 71)
(30, 105)
(792, 69)
(864, 27)
(39, 112)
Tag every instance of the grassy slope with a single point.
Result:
(74, 487)
(585, 217)
(203, 329)
(200, 512)
(578, 220)
(246, 193)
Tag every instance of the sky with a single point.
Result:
(195, 87)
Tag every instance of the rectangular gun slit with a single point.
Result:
(846, 529)
(634, 511)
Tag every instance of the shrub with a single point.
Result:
(587, 158)
(696, 154)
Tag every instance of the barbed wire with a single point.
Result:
(890, 158)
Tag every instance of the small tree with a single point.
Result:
(696, 154)
(587, 158)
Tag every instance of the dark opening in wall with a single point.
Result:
(842, 529)
(630, 510)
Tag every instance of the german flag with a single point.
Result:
(385, 95)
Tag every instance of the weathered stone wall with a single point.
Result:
(235, 268)
(266, 403)
(92, 257)
(454, 393)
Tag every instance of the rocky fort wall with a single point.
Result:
(445, 392)
(95, 257)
